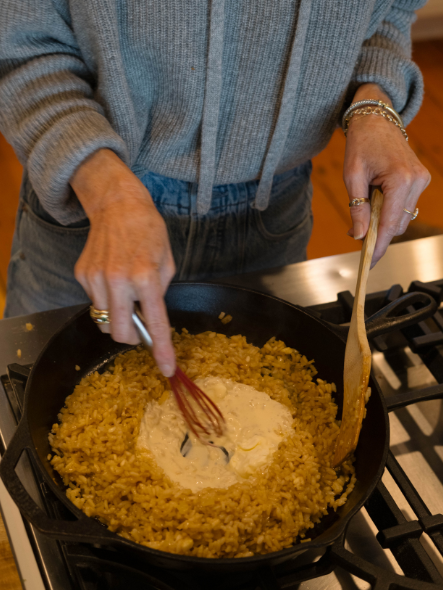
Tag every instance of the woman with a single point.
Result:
(196, 120)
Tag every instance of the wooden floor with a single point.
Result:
(9, 579)
(330, 204)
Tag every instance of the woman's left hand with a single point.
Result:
(377, 154)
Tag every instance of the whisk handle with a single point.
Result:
(139, 322)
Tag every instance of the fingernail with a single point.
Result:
(349, 233)
(358, 230)
(167, 370)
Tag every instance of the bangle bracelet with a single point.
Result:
(371, 102)
(380, 110)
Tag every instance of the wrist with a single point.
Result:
(104, 180)
(371, 100)
(371, 91)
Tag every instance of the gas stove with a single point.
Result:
(395, 541)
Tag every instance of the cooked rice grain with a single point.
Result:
(109, 479)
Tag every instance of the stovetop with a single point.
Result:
(395, 541)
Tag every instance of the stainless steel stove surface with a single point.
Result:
(395, 541)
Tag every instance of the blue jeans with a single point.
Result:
(232, 238)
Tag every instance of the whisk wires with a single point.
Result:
(192, 401)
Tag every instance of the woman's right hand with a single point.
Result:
(127, 256)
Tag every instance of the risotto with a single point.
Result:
(112, 479)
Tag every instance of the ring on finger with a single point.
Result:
(412, 214)
(357, 202)
(100, 316)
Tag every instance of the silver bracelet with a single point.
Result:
(367, 103)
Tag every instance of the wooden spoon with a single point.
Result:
(358, 353)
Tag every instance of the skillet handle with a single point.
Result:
(388, 320)
(84, 529)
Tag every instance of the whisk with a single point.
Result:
(190, 399)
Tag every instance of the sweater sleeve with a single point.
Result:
(385, 59)
(48, 112)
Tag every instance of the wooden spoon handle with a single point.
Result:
(357, 365)
(366, 254)
(368, 250)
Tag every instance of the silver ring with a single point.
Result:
(100, 316)
(356, 202)
(413, 215)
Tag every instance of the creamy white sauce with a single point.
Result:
(255, 426)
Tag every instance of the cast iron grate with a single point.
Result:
(424, 338)
(94, 568)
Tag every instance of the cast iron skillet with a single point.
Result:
(197, 307)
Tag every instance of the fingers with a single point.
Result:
(167, 271)
(150, 295)
(360, 215)
(357, 186)
(121, 297)
(117, 292)
(402, 192)
(92, 281)
(384, 237)
(99, 295)
(114, 284)
(418, 185)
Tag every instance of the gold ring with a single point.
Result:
(413, 215)
(356, 202)
(100, 316)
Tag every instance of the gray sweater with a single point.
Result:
(207, 91)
